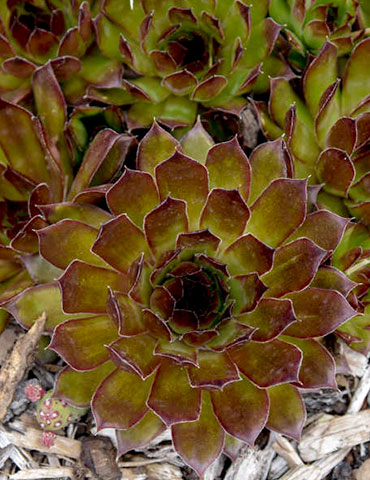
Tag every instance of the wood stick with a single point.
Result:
(44, 472)
(361, 393)
(283, 447)
(15, 367)
(31, 439)
(317, 470)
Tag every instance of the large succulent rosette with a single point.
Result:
(183, 54)
(37, 31)
(308, 25)
(327, 127)
(195, 305)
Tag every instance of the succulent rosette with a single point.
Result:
(308, 25)
(70, 160)
(62, 32)
(327, 128)
(58, 145)
(191, 304)
(207, 53)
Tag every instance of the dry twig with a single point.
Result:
(31, 439)
(15, 367)
(44, 472)
(284, 448)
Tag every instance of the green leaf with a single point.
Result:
(225, 214)
(321, 73)
(74, 240)
(148, 428)
(197, 142)
(295, 266)
(50, 104)
(82, 342)
(85, 287)
(115, 406)
(78, 387)
(89, 214)
(247, 255)
(332, 279)
(242, 409)
(268, 162)
(356, 83)
(278, 211)
(29, 305)
(156, 146)
(199, 455)
(137, 352)
(120, 242)
(229, 168)
(18, 134)
(172, 398)
(97, 152)
(184, 179)
(135, 194)
(164, 223)
(287, 411)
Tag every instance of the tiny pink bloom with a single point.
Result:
(48, 439)
(34, 392)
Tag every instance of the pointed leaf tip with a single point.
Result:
(85, 287)
(156, 146)
(199, 454)
(278, 211)
(172, 397)
(164, 223)
(184, 179)
(229, 168)
(225, 214)
(242, 409)
(114, 405)
(287, 411)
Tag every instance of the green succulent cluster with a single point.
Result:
(185, 54)
(308, 25)
(326, 121)
(203, 277)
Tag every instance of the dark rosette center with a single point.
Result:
(189, 50)
(192, 295)
(27, 18)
